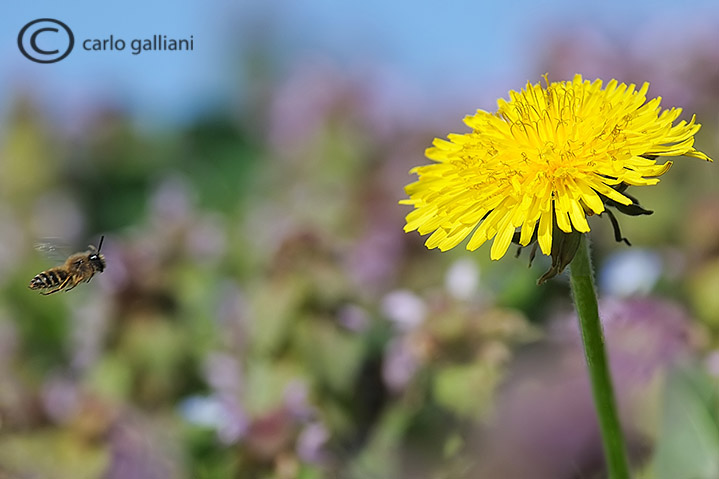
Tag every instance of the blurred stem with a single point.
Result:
(585, 300)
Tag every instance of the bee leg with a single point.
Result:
(59, 288)
(74, 284)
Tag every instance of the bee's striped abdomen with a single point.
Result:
(48, 279)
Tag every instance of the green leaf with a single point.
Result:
(688, 443)
(465, 389)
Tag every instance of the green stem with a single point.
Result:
(585, 300)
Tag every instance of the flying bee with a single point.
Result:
(78, 267)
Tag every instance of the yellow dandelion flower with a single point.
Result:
(549, 158)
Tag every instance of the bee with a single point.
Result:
(78, 267)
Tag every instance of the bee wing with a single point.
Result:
(53, 248)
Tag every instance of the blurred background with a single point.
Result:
(263, 315)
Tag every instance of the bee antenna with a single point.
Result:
(102, 238)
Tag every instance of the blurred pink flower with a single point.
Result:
(545, 413)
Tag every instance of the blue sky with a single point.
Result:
(436, 46)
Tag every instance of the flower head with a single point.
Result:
(550, 157)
